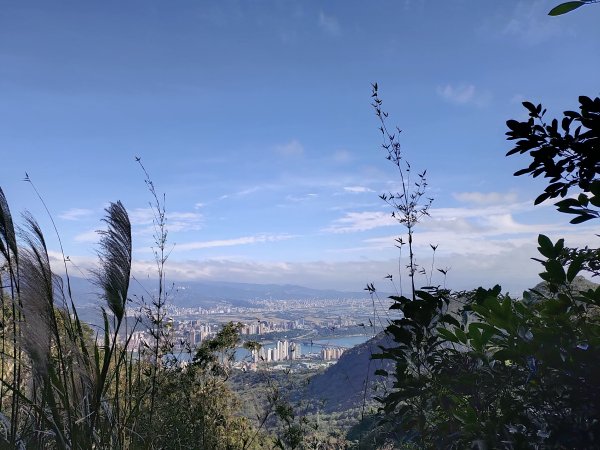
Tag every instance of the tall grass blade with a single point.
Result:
(8, 241)
(115, 259)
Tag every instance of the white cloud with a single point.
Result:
(176, 221)
(199, 205)
(485, 198)
(141, 216)
(361, 221)
(493, 211)
(474, 260)
(479, 233)
(450, 244)
(292, 148)
(184, 221)
(242, 193)
(76, 214)
(479, 212)
(89, 237)
(464, 94)
(357, 189)
(245, 240)
(300, 198)
(329, 24)
(348, 276)
(369, 220)
(482, 231)
(512, 269)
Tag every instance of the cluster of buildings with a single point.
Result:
(282, 351)
(191, 332)
(288, 351)
(188, 334)
(331, 353)
(269, 326)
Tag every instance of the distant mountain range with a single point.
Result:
(210, 293)
(188, 293)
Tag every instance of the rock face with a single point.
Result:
(579, 284)
(342, 386)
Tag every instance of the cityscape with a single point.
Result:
(295, 334)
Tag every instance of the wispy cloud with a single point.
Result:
(486, 198)
(292, 148)
(480, 210)
(176, 221)
(361, 221)
(87, 237)
(76, 214)
(243, 192)
(510, 266)
(484, 231)
(319, 274)
(301, 198)
(357, 189)
(464, 94)
(329, 24)
(245, 240)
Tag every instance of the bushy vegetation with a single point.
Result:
(480, 369)
(65, 385)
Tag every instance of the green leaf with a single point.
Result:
(448, 335)
(546, 247)
(401, 334)
(564, 8)
(583, 200)
(559, 247)
(531, 107)
(574, 268)
(460, 334)
(555, 270)
(487, 331)
(567, 203)
(595, 201)
(447, 318)
(584, 217)
(595, 188)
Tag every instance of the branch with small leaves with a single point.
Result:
(409, 205)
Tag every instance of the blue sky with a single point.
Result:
(254, 119)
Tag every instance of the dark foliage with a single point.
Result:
(569, 155)
(497, 372)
